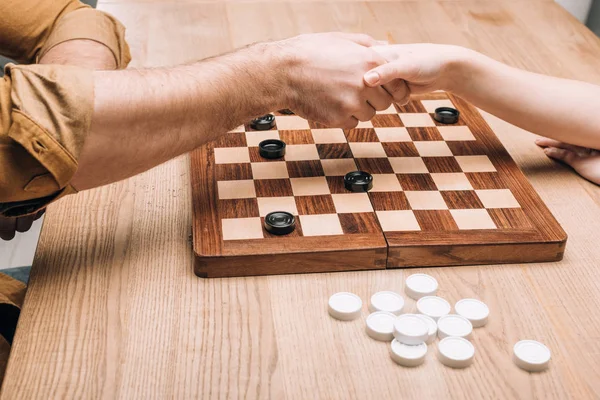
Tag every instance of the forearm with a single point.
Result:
(145, 117)
(547, 106)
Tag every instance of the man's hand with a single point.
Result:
(585, 161)
(10, 226)
(325, 76)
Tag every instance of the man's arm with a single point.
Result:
(145, 117)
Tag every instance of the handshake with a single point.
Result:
(339, 79)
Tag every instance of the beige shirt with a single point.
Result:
(45, 110)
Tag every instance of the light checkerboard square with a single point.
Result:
(456, 133)
(364, 124)
(431, 105)
(301, 152)
(270, 204)
(386, 183)
(243, 189)
(352, 203)
(408, 165)
(398, 221)
(473, 219)
(291, 123)
(338, 167)
(475, 164)
(394, 134)
(253, 138)
(497, 198)
(367, 150)
(232, 155)
(270, 170)
(312, 186)
(426, 200)
(416, 120)
(241, 228)
(451, 181)
(327, 136)
(390, 110)
(321, 225)
(433, 149)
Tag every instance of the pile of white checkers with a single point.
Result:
(410, 334)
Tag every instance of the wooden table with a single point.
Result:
(114, 310)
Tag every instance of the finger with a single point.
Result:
(7, 228)
(23, 224)
(365, 113)
(546, 142)
(566, 156)
(350, 123)
(359, 38)
(399, 90)
(379, 98)
(383, 74)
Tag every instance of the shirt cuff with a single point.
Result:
(93, 25)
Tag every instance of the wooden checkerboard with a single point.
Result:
(442, 195)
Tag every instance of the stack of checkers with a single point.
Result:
(410, 334)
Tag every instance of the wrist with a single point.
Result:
(458, 69)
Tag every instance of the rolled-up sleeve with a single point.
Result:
(45, 115)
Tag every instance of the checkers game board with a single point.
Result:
(442, 195)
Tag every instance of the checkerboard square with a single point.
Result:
(291, 122)
(270, 204)
(325, 136)
(456, 133)
(364, 124)
(424, 134)
(301, 152)
(304, 169)
(398, 221)
(239, 129)
(309, 186)
(431, 105)
(273, 187)
(352, 203)
(361, 135)
(461, 199)
(433, 149)
(475, 164)
(498, 198)
(390, 110)
(435, 220)
(236, 189)
(253, 138)
(395, 134)
(297, 137)
(386, 121)
(231, 155)
(452, 181)
(413, 106)
(321, 225)
(426, 200)
(417, 120)
(274, 170)
(384, 201)
(400, 149)
(235, 139)
(473, 219)
(441, 164)
(416, 182)
(241, 228)
(338, 167)
(334, 150)
(309, 205)
(386, 183)
(367, 150)
(408, 165)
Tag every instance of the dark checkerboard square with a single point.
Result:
(485, 180)
(310, 205)
(400, 149)
(334, 150)
(461, 199)
(435, 220)
(416, 182)
(510, 218)
(374, 165)
(359, 223)
(336, 185)
(441, 164)
(256, 157)
(424, 134)
(238, 208)
(466, 148)
(232, 139)
(299, 169)
(317, 125)
(413, 106)
(273, 188)
(389, 201)
(386, 121)
(233, 172)
(361, 135)
(303, 136)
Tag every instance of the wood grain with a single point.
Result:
(115, 311)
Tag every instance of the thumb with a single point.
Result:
(386, 73)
